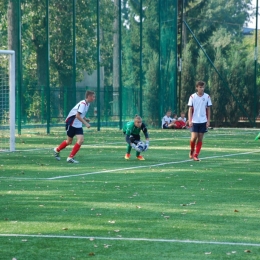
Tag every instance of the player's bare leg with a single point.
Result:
(171, 126)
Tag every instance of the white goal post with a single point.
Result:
(7, 101)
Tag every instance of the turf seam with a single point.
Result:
(187, 241)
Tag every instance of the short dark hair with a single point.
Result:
(89, 93)
(200, 83)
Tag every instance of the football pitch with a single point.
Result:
(105, 207)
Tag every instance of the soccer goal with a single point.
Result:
(7, 100)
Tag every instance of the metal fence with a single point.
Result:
(141, 57)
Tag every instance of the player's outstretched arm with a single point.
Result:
(135, 147)
(82, 120)
(127, 138)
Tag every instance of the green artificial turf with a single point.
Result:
(166, 207)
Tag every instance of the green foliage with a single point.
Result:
(188, 78)
(160, 46)
(219, 90)
(250, 90)
(131, 53)
(153, 90)
(3, 25)
(217, 24)
(236, 84)
(202, 68)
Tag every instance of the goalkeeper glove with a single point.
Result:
(146, 146)
(135, 147)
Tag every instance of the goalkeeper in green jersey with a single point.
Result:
(132, 131)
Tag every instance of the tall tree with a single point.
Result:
(116, 49)
(202, 68)
(188, 78)
(3, 25)
(235, 79)
(13, 23)
(218, 90)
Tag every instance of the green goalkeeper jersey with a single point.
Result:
(130, 129)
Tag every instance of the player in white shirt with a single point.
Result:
(167, 121)
(74, 121)
(199, 118)
(182, 117)
(183, 120)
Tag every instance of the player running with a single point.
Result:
(74, 121)
(132, 131)
(199, 118)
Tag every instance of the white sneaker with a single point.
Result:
(56, 154)
(71, 160)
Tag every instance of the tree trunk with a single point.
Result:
(12, 19)
(41, 65)
(116, 59)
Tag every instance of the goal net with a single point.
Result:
(7, 101)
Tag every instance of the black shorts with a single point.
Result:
(133, 138)
(199, 127)
(72, 131)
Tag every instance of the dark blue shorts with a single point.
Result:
(72, 131)
(199, 128)
(132, 138)
(135, 139)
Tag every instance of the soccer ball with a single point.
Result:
(140, 145)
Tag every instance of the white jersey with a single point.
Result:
(82, 107)
(199, 105)
(167, 120)
(183, 119)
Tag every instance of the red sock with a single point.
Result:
(192, 146)
(198, 147)
(74, 150)
(62, 146)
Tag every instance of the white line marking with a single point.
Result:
(145, 166)
(135, 239)
(128, 168)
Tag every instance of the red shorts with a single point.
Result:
(179, 124)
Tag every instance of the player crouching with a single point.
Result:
(132, 131)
